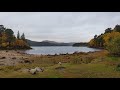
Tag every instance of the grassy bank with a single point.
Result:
(77, 65)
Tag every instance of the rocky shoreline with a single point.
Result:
(20, 64)
(14, 57)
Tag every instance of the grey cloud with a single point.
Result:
(60, 26)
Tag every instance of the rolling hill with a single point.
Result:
(48, 43)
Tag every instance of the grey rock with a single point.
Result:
(33, 71)
(60, 63)
(38, 69)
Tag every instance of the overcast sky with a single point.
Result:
(59, 26)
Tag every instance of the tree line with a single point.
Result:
(109, 40)
(9, 41)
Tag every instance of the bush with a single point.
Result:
(113, 46)
(77, 61)
(118, 67)
(87, 60)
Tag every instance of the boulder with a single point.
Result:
(27, 61)
(38, 69)
(33, 71)
(14, 58)
(60, 63)
(43, 69)
(2, 57)
(21, 61)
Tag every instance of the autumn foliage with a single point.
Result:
(110, 40)
(114, 46)
(9, 41)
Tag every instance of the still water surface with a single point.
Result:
(44, 50)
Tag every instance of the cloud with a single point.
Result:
(60, 26)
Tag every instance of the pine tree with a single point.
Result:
(18, 35)
(23, 37)
(9, 41)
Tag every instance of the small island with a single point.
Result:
(9, 41)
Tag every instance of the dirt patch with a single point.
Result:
(60, 68)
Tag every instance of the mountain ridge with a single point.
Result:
(47, 43)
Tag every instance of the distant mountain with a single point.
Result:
(48, 43)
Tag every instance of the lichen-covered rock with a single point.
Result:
(38, 69)
(60, 63)
(33, 71)
(43, 69)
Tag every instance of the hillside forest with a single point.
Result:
(109, 40)
(9, 41)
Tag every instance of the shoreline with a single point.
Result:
(17, 64)
(99, 49)
(65, 53)
(14, 57)
(22, 50)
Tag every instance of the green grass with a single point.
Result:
(71, 71)
(95, 65)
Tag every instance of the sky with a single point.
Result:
(59, 26)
